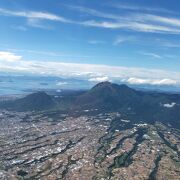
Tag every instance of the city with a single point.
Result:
(35, 146)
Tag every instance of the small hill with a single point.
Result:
(36, 101)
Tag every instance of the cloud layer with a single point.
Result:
(10, 62)
(8, 56)
(140, 81)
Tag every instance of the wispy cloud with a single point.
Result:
(48, 53)
(154, 18)
(146, 41)
(33, 15)
(133, 25)
(152, 55)
(123, 39)
(137, 21)
(94, 12)
(142, 22)
(34, 18)
(141, 8)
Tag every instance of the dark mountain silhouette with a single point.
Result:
(108, 97)
(132, 104)
(36, 101)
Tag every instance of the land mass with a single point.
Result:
(109, 132)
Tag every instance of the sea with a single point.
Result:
(12, 85)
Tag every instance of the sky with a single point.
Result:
(135, 42)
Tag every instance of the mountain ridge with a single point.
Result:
(108, 97)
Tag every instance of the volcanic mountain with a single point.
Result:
(108, 97)
(132, 104)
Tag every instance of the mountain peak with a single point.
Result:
(124, 86)
(107, 95)
(38, 94)
(109, 85)
(102, 87)
(103, 84)
(35, 101)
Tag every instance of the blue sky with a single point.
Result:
(133, 41)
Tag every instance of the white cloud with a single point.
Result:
(141, 22)
(153, 55)
(133, 25)
(92, 72)
(140, 81)
(169, 105)
(42, 15)
(137, 81)
(33, 15)
(34, 18)
(171, 21)
(165, 82)
(99, 79)
(8, 56)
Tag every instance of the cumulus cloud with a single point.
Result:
(8, 56)
(151, 81)
(99, 79)
(169, 105)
